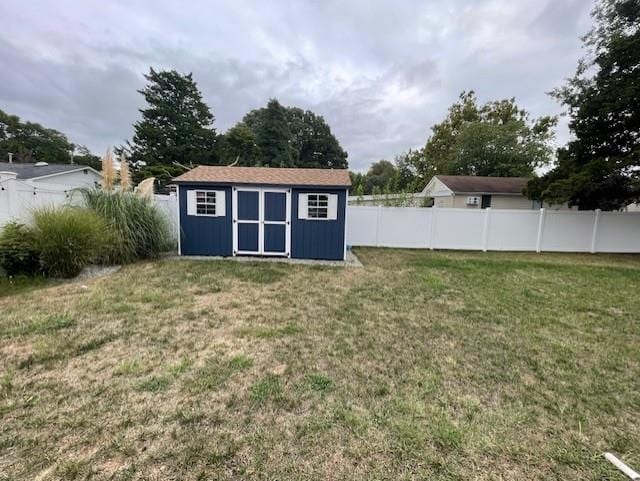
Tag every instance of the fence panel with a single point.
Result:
(168, 205)
(512, 230)
(404, 227)
(458, 229)
(489, 229)
(618, 232)
(362, 226)
(567, 231)
(27, 200)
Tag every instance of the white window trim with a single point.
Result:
(220, 202)
(332, 206)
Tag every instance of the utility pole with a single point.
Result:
(71, 156)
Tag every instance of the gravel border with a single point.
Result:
(351, 261)
(92, 272)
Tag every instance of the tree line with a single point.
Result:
(598, 168)
(177, 132)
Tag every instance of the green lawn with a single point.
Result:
(421, 365)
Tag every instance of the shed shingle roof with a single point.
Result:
(471, 184)
(31, 171)
(267, 176)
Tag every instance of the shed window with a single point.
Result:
(205, 202)
(318, 206)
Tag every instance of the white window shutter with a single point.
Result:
(332, 211)
(221, 209)
(191, 202)
(303, 206)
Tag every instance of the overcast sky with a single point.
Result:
(381, 73)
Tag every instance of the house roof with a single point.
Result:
(471, 184)
(267, 176)
(32, 171)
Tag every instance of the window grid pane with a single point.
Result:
(205, 202)
(318, 206)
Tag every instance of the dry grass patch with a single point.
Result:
(422, 365)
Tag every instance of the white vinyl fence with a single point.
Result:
(18, 199)
(168, 205)
(489, 229)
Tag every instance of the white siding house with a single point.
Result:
(24, 187)
(476, 192)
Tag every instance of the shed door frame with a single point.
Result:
(261, 221)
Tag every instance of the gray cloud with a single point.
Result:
(381, 75)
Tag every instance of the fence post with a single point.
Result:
(540, 229)
(594, 237)
(378, 215)
(485, 229)
(432, 234)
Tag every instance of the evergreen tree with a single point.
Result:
(273, 136)
(295, 137)
(177, 126)
(599, 169)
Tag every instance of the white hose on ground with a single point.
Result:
(626, 470)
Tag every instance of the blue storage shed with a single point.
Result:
(263, 211)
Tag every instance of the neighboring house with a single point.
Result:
(26, 186)
(263, 211)
(475, 192)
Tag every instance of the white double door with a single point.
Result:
(261, 221)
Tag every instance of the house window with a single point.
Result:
(318, 206)
(206, 202)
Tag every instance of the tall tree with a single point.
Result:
(599, 168)
(83, 156)
(307, 140)
(313, 144)
(273, 136)
(494, 139)
(176, 126)
(238, 145)
(406, 178)
(31, 142)
(357, 183)
(380, 177)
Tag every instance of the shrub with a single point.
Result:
(18, 254)
(140, 230)
(68, 239)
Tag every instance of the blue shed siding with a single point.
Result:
(310, 239)
(318, 239)
(205, 236)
